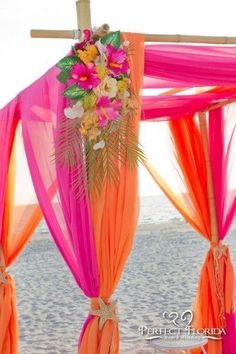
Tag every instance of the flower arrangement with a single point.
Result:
(97, 118)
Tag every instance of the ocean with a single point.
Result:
(153, 210)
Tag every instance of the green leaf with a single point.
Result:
(112, 38)
(67, 62)
(120, 77)
(74, 92)
(63, 77)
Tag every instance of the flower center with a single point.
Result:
(104, 111)
(107, 87)
(115, 65)
(83, 78)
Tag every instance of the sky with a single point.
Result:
(23, 59)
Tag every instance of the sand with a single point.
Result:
(161, 275)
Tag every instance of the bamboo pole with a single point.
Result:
(210, 188)
(179, 38)
(66, 34)
(84, 21)
(83, 14)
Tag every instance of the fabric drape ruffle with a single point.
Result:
(186, 185)
(215, 300)
(95, 236)
(114, 217)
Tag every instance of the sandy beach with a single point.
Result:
(161, 275)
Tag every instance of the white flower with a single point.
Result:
(126, 43)
(108, 87)
(99, 145)
(75, 111)
(101, 47)
(103, 59)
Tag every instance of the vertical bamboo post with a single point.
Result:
(83, 14)
(210, 188)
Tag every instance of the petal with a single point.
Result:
(70, 113)
(97, 146)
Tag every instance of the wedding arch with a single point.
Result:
(192, 91)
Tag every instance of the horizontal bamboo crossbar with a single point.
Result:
(38, 33)
(179, 38)
(174, 38)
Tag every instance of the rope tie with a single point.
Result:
(219, 250)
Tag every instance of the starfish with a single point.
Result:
(105, 312)
(3, 277)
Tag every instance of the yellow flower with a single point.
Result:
(83, 131)
(90, 120)
(89, 101)
(89, 126)
(101, 71)
(128, 106)
(93, 133)
(88, 55)
(123, 85)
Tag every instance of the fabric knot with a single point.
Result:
(219, 250)
(3, 275)
(105, 310)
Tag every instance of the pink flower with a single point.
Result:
(85, 76)
(86, 39)
(80, 45)
(116, 60)
(87, 34)
(107, 110)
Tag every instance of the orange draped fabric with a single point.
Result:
(192, 203)
(215, 296)
(210, 303)
(207, 302)
(216, 285)
(115, 216)
(19, 223)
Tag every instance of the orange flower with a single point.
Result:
(88, 55)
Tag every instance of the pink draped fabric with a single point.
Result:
(171, 65)
(222, 131)
(68, 219)
(222, 143)
(157, 108)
